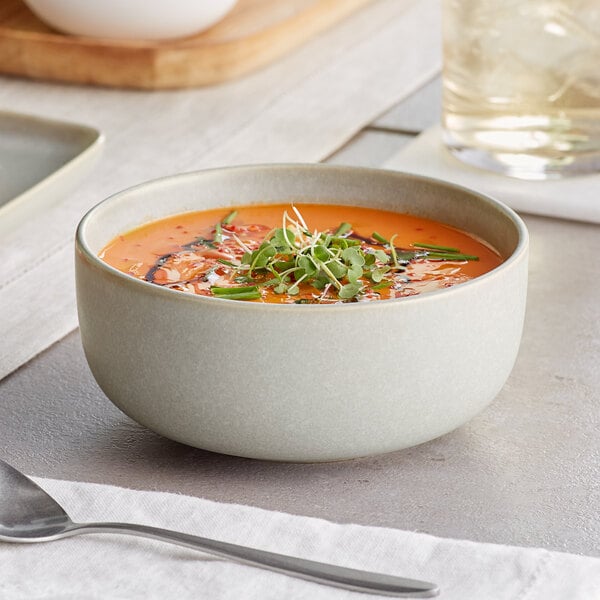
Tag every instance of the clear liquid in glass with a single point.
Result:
(522, 85)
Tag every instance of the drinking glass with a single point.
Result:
(522, 85)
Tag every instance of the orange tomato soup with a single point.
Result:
(254, 253)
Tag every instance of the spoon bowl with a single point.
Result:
(29, 514)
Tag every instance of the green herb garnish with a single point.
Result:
(383, 285)
(218, 237)
(435, 247)
(293, 254)
(450, 256)
(330, 262)
(226, 262)
(249, 292)
(343, 229)
(230, 217)
(379, 238)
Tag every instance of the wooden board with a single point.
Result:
(254, 34)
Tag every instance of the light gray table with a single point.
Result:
(526, 471)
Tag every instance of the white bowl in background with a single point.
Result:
(301, 382)
(131, 19)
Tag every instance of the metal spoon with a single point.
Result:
(29, 514)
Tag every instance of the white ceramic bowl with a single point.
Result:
(131, 19)
(301, 382)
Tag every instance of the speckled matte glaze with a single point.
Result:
(301, 382)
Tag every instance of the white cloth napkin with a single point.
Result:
(575, 198)
(122, 567)
(299, 109)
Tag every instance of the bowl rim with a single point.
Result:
(517, 254)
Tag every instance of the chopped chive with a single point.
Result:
(435, 247)
(230, 217)
(342, 229)
(449, 256)
(344, 242)
(382, 285)
(227, 262)
(241, 296)
(379, 238)
(393, 251)
(232, 291)
(218, 234)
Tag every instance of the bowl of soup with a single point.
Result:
(301, 312)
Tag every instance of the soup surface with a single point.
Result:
(303, 253)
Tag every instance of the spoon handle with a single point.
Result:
(342, 577)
